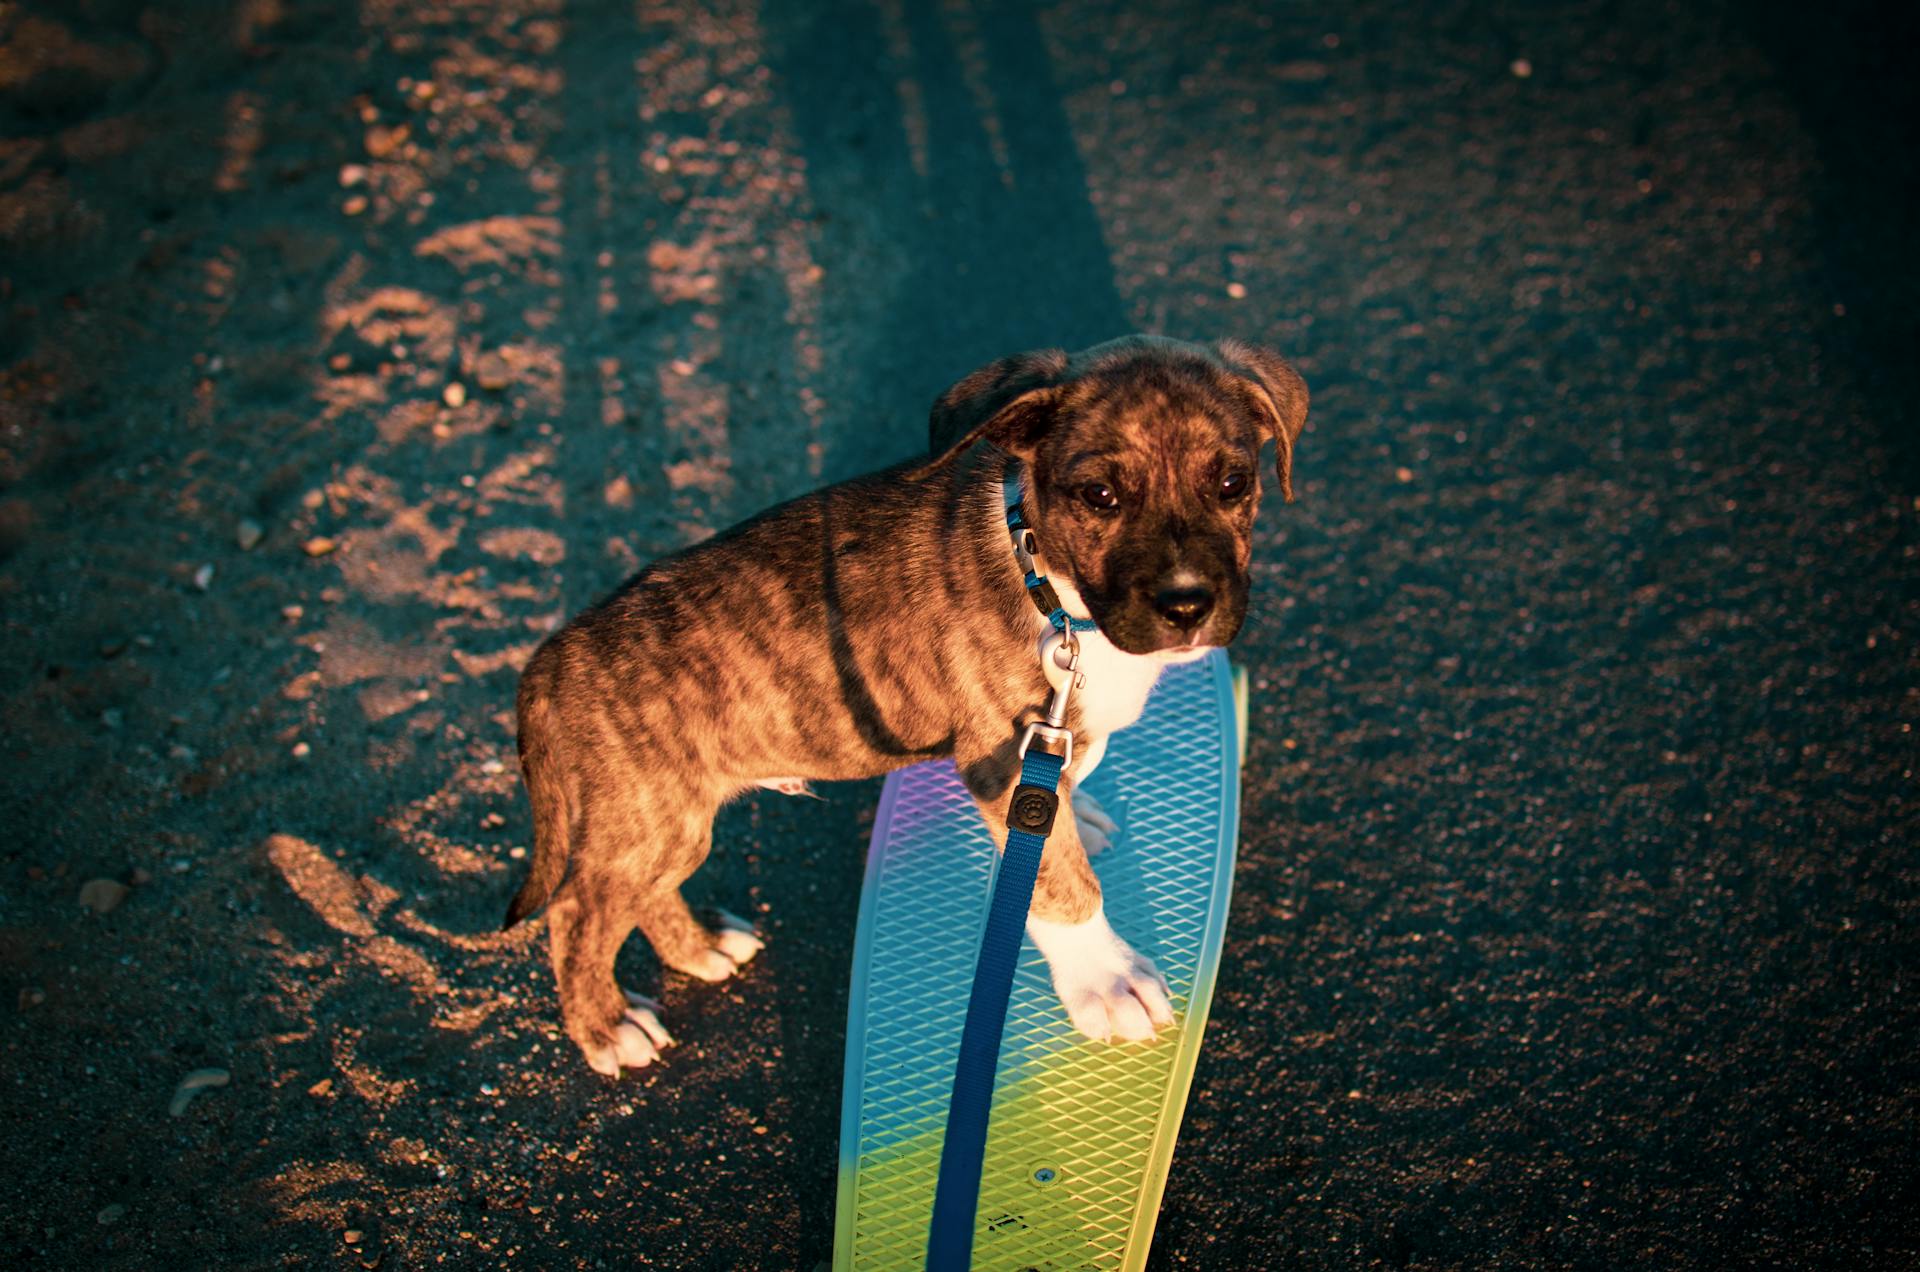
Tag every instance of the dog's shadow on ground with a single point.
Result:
(644, 396)
(379, 342)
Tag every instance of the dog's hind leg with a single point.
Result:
(682, 941)
(634, 854)
(685, 944)
(586, 926)
(680, 844)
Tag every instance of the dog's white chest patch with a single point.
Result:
(1117, 685)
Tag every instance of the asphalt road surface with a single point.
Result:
(347, 348)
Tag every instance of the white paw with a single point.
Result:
(736, 939)
(709, 965)
(1111, 993)
(1097, 830)
(734, 945)
(637, 1040)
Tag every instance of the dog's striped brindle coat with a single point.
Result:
(884, 621)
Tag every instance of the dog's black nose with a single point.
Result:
(1184, 606)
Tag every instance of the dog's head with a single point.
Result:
(1142, 469)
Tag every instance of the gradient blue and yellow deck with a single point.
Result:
(1082, 1133)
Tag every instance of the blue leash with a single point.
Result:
(1030, 813)
(956, 1196)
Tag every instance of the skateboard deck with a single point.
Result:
(1082, 1133)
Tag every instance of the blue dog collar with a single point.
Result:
(1026, 548)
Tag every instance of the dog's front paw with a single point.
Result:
(1097, 830)
(1111, 993)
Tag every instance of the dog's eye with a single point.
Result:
(1232, 486)
(1100, 495)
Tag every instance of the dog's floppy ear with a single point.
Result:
(1281, 393)
(1008, 403)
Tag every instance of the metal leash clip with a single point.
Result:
(1060, 661)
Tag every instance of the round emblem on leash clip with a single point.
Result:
(1032, 810)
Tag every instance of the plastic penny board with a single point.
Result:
(1082, 1133)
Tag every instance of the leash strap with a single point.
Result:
(956, 1195)
(1030, 814)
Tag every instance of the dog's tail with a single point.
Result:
(546, 780)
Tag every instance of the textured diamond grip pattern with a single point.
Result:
(1082, 1133)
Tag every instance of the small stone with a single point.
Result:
(320, 1089)
(191, 1085)
(338, 362)
(386, 142)
(493, 821)
(516, 852)
(1237, 290)
(293, 613)
(249, 533)
(111, 1214)
(203, 577)
(31, 997)
(301, 750)
(352, 174)
(102, 895)
(352, 1236)
(1521, 68)
(355, 205)
(139, 876)
(454, 395)
(490, 370)
(318, 546)
(1403, 474)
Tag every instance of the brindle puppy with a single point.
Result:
(884, 621)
